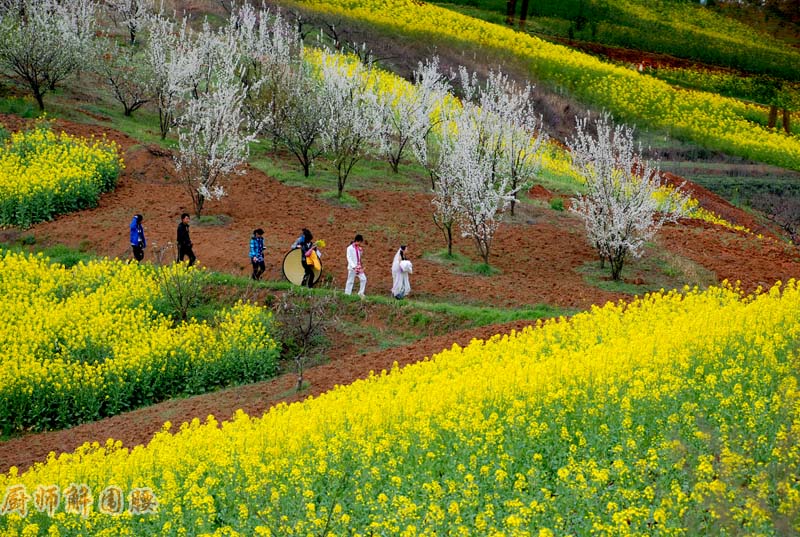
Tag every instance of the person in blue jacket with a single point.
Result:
(257, 253)
(138, 242)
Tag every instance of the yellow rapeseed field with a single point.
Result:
(677, 414)
(81, 343)
(43, 174)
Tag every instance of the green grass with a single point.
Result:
(22, 107)
(478, 315)
(562, 184)
(658, 269)
(209, 220)
(460, 264)
(380, 323)
(557, 204)
(332, 197)
(368, 173)
(105, 111)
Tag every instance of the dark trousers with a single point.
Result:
(186, 250)
(258, 269)
(308, 277)
(138, 252)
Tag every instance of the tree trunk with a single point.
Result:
(339, 187)
(773, 116)
(39, 96)
(199, 201)
(523, 13)
(305, 162)
(617, 261)
(511, 9)
(163, 122)
(299, 362)
(395, 164)
(787, 127)
(450, 240)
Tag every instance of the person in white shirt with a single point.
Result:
(355, 267)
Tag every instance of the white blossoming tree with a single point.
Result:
(470, 161)
(300, 115)
(620, 208)
(409, 113)
(175, 61)
(428, 150)
(284, 92)
(519, 129)
(215, 132)
(487, 151)
(214, 137)
(354, 117)
(43, 42)
(130, 14)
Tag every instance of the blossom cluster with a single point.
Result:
(675, 414)
(86, 342)
(43, 174)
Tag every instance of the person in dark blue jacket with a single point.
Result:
(257, 253)
(138, 242)
(184, 241)
(304, 242)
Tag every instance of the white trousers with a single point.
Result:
(351, 278)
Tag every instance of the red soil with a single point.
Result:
(537, 253)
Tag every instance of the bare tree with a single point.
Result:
(43, 42)
(303, 319)
(619, 209)
(127, 76)
(783, 209)
(181, 287)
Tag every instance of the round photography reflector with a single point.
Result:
(293, 267)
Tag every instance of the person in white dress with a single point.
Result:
(401, 268)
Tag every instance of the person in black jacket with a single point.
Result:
(304, 242)
(184, 242)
